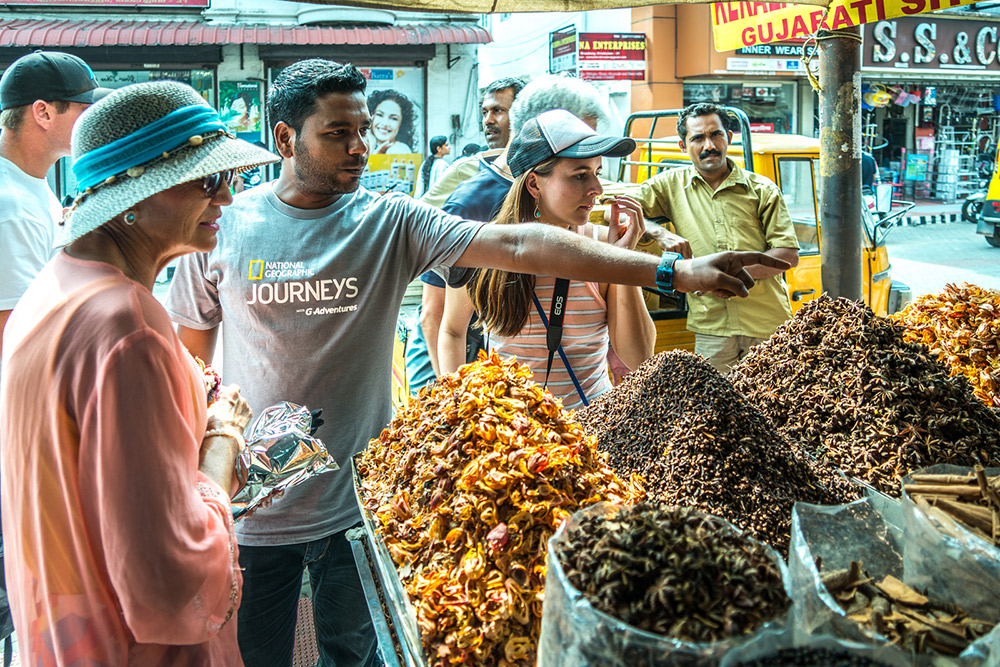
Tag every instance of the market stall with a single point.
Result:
(684, 492)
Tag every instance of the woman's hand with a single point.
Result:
(627, 224)
(229, 410)
(230, 413)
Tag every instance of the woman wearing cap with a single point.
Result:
(556, 160)
(115, 474)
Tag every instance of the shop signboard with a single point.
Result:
(737, 25)
(607, 56)
(931, 44)
(396, 139)
(562, 50)
(764, 65)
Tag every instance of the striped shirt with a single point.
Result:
(585, 341)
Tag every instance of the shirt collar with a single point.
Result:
(736, 177)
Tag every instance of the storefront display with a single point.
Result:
(465, 487)
(770, 105)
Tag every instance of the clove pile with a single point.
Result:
(679, 424)
(973, 500)
(673, 571)
(961, 327)
(812, 657)
(911, 620)
(842, 383)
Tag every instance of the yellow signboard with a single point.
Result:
(737, 25)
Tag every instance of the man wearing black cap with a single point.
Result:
(41, 96)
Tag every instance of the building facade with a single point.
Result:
(230, 51)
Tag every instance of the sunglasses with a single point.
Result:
(212, 183)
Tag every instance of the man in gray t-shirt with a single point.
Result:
(308, 274)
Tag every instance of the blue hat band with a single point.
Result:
(148, 142)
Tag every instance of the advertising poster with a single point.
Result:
(562, 50)
(605, 56)
(396, 139)
(240, 108)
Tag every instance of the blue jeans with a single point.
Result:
(272, 580)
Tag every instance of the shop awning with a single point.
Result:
(60, 33)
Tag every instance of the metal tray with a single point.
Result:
(392, 614)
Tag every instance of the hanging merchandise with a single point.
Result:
(930, 96)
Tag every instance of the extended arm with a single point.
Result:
(543, 249)
(458, 310)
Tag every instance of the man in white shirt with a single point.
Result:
(41, 96)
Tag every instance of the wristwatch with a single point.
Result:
(665, 271)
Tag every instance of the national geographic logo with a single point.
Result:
(260, 269)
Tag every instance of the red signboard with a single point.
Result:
(114, 3)
(607, 56)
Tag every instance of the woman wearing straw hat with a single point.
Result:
(556, 160)
(115, 473)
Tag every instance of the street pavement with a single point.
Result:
(927, 257)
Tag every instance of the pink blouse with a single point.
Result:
(118, 550)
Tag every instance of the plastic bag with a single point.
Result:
(856, 532)
(767, 644)
(574, 633)
(279, 453)
(933, 537)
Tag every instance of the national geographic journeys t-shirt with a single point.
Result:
(310, 300)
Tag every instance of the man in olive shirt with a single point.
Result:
(715, 205)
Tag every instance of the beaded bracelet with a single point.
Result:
(227, 432)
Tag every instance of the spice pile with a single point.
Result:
(681, 426)
(467, 485)
(961, 325)
(806, 656)
(973, 500)
(913, 621)
(842, 383)
(673, 571)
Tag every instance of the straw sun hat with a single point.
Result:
(143, 139)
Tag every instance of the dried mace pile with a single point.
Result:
(909, 619)
(680, 425)
(961, 326)
(467, 485)
(674, 571)
(843, 383)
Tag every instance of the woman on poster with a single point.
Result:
(392, 123)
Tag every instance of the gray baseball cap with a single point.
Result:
(49, 76)
(558, 133)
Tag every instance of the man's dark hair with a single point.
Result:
(698, 110)
(511, 82)
(294, 92)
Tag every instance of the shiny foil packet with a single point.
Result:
(279, 454)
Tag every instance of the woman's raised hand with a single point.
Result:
(627, 224)
(230, 409)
